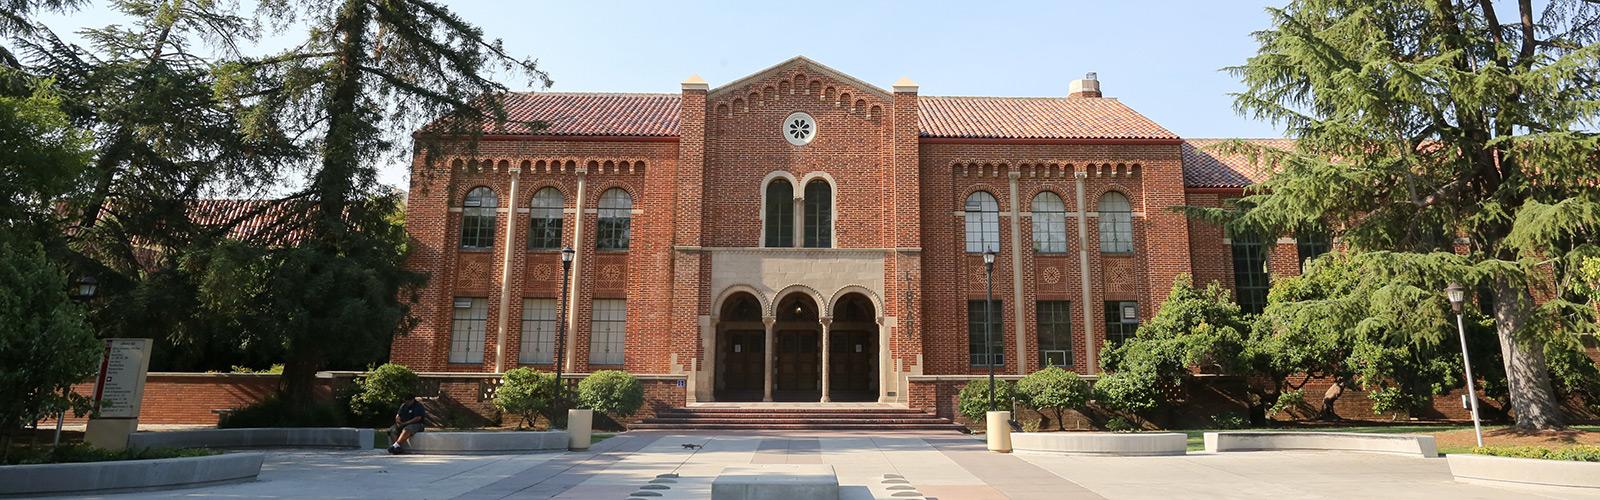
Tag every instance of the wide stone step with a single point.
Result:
(804, 420)
(780, 427)
(796, 410)
(791, 415)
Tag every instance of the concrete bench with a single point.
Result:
(1469, 468)
(488, 442)
(776, 482)
(1101, 443)
(293, 437)
(1406, 444)
(105, 477)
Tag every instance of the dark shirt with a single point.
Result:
(412, 409)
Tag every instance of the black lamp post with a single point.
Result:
(988, 319)
(561, 329)
(1458, 296)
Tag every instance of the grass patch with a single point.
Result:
(1579, 453)
(76, 453)
(601, 436)
(1196, 438)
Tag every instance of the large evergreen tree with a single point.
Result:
(1431, 128)
(365, 70)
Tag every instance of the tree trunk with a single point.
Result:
(1527, 376)
(299, 380)
(1329, 397)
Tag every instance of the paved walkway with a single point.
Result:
(935, 465)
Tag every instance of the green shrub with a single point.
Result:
(1128, 391)
(274, 412)
(1577, 453)
(1054, 389)
(1121, 424)
(611, 392)
(381, 392)
(525, 393)
(1229, 421)
(79, 452)
(973, 400)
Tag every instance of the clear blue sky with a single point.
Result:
(1163, 58)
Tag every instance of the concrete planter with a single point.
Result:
(1469, 468)
(487, 442)
(105, 477)
(271, 437)
(580, 426)
(1404, 444)
(1101, 443)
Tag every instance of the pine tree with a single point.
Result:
(1432, 128)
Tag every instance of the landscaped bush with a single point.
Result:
(274, 412)
(1121, 424)
(611, 392)
(525, 393)
(79, 452)
(1578, 453)
(973, 400)
(381, 392)
(1054, 389)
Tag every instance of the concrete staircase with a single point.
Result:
(751, 417)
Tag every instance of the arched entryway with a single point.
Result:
(797, 340)
(741, 349)
(853, 349)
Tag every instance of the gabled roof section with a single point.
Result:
(1034, 118)
(592, 114)
(811, 66)
(1204, 167)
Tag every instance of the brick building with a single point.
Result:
(802, 235)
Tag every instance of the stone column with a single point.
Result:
(1016, 276)
(885, 372)
(507, 250)
(799, 218)
(1083, 273)
(827, 322)
(766, 393)
(579, 246)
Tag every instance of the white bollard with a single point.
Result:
(579, 425)
(999, 433)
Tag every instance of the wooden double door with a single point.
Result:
(744, 362)
(850, 356)
(799, 363)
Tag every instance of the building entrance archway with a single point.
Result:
(741, 349)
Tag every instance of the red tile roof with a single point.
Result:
(1204, 166)
(248, 220)
(1034, 118)
(594, 114)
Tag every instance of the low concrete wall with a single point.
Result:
(330, 437)
(487, 442)
(776, 482)
(1407, 444)
(1101, 443)
(1469, 468)
(103, 477)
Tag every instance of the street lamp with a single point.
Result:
(1458, 296)
(561, 330)
(988, 319)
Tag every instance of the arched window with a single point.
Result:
(544, 216)
(1116, 224)
(1049, 223)
(819, 214)
(477, 218)
(983, 223)
(615, 221)
(780, 214)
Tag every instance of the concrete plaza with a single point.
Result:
(935, 465)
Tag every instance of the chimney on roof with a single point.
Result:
(1089, 86)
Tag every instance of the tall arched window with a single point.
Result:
(544, 216)
(819, 214)
(780, 214)
(983, 223)
(615, 220)
(477, 218)
(1116, 224)
(1049, 223)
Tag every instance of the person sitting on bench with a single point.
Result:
(408, 421)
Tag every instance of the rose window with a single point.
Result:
(799, 129)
